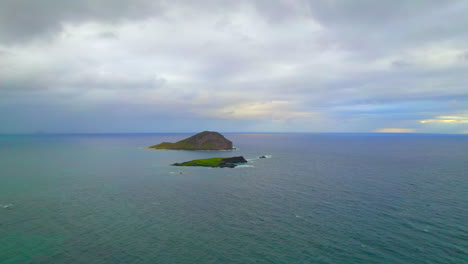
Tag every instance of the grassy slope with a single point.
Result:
(213, 162)
(188, 143)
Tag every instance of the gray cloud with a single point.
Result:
(464, 57)
(398, 64)
(107, 35)
(22, 20)
(289, 65)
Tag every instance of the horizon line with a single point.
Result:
(228, 132)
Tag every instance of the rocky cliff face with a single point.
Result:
(206, 140)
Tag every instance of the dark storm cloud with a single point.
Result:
(377, 20)
(22, 20)
(392, 22)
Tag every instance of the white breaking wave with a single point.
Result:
(243, 166)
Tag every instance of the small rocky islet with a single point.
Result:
(230, 162)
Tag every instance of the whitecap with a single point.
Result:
(244, 166)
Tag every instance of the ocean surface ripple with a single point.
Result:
(318, 198)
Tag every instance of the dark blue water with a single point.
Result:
(320, 198)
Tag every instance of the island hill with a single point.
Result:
(206, 140)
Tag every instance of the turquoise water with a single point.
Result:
(320, 198)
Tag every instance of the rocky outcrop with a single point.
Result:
(206, 140)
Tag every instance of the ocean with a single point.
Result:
(318, 198)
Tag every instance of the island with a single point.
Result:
(206, 140)
(214, 162)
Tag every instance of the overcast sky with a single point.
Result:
(260, 65)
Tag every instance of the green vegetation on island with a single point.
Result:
(182, 145)
(206, 140)
(214, 162)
